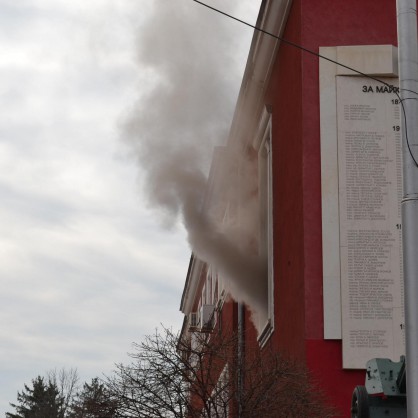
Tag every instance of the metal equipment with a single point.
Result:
(384, 393)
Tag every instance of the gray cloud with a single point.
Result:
(82, 272)
(81, 257)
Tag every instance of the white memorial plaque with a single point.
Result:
(370, 191)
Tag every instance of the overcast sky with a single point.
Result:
(87, 265)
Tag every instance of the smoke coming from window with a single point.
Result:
(178, 120)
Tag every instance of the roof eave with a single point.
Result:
(262, 55)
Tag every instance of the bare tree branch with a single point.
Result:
(67, 383)
(199, 377)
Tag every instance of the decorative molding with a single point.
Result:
(262, 55)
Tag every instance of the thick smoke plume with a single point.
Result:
(173, 129)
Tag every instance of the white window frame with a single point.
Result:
(263, 145)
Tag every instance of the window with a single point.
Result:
(265, 247)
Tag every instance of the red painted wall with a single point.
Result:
(329, 23)
(293, 93)
(325, 23)
(284, 94)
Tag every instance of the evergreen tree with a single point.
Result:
(40, 401)
(94, 401)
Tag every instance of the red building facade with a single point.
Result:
(278, 112)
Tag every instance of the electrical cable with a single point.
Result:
(316, 54)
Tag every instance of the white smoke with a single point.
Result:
(174, 128)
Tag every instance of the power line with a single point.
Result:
(316, 54)
(290, 43)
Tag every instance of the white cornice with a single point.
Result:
(272, 18)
